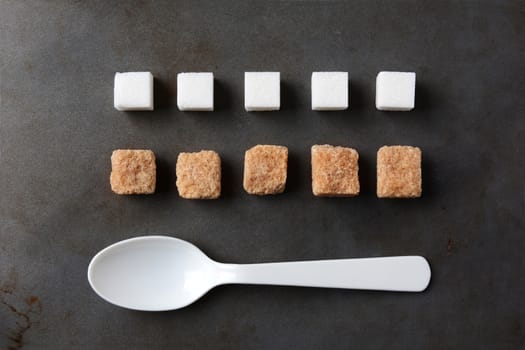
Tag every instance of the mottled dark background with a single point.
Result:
(58, 128)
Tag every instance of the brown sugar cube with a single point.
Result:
(265, 168)
(399, 172)
(133, 171)
(335, 171)
(199, 175)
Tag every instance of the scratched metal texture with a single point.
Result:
(58, 128)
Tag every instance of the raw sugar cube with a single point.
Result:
(399, 172)
(133, 91)
(133, 171)
(199, 175)
(335, 171)
(262, 91)
(195, 91)
(329, 91)
(265, 169)
(395, 91)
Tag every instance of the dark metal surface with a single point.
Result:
(58, 128)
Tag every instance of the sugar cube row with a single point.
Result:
(133, 91)
(335, 172)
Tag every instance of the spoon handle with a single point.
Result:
(397, 273)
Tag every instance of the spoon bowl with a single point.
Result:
(158, 273)
(151, 273)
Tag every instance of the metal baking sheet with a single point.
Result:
(58, 128)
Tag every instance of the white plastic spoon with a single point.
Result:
(156, 273)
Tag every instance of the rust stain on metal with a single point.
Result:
(23, 318)
(33, 300)
(17, 336)
(9, 286)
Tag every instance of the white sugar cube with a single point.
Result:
(262, 91)
(395, 91)
(195, 91)
(133, 91)
(329, 91)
